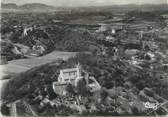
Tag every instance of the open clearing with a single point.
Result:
(22, 65)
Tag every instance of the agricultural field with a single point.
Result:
(22, 65)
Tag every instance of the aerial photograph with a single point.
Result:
(83, 58)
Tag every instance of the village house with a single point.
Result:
(39, 48)
(25, 31)
(16, 106)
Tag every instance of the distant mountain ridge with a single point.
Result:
(36, 6)
(9, 5)
(28, 7)
(43, 7)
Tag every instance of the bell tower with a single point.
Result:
(79, 73)
(79, 70)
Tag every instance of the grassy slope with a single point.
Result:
(21, 65)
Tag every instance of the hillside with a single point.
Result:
(34, 7)
(122, 84)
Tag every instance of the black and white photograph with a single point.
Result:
(84, 58)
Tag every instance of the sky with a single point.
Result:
(86, 2)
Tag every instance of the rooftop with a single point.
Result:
(68, 70)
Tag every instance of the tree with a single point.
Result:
(5, 110)
(82, 88)
(70, 88)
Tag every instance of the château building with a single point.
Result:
(72, 76)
